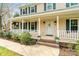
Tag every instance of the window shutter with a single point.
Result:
(29, 25)
(21, 11)
(35, 8)
(26, 10)
(54, 5)
(44, 6)
(67, 5)
(67, 24)
(29, 10)
(35, 25)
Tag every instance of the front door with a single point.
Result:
(49, 28)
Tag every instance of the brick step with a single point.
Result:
(49, 44)
(48, 41)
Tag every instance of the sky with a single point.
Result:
(15, 7)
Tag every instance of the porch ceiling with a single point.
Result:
(52, 14)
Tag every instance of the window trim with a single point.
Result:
(70, 23)
(24, 10)
(31, 26)
(47, 7)
(30, 9)
(52, 7)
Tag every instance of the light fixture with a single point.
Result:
(44, 22)
(55, 22)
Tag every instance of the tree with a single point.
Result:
(4, 10)
(16, 15)
(1, 15)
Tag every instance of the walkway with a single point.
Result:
(34, 50)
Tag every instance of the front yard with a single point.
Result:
(6, 52)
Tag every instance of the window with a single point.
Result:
(15, 25)
(50, 6)
(71, 4)
(74, 25)
(24, 12)
(71, 24)
(25, 25)
(33, 25)
(32, 9)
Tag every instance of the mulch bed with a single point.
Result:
(66, 52)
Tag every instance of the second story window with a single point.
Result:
(49, 6)
(71, 4)
(33, 9)
(24, 11)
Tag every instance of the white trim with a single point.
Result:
(59, 11)
(70, 23)
(47, 7)
(22, 25)
(39, 27)
(30, 9)
(57, 26)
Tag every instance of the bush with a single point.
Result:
(8, 35)
(57, 39)
(77, 48)
(25, 38)
(15, 37)
(2, 34)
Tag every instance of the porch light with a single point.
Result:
(44, 22)
(55, 22)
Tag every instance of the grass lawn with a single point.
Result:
(6, 52)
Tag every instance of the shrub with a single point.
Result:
(15, 37)
(8, 35)
(77, 48)
(57, 39)
(25, 38)
(2, 34)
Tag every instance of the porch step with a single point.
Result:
(49, 44)
(48, 41)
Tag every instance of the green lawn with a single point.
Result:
(6, 52)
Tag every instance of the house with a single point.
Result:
(48, 20)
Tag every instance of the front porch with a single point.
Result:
(49, 26)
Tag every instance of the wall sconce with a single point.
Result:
(44, 22)
(55, 22)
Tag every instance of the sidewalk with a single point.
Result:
(34, 50)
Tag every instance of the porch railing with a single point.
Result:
(18, 31)
(64, 34)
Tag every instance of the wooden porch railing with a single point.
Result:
(64, 34)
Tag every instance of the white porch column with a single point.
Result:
(10, 24)
(22, 25)
(57, 26)
(39, 26)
